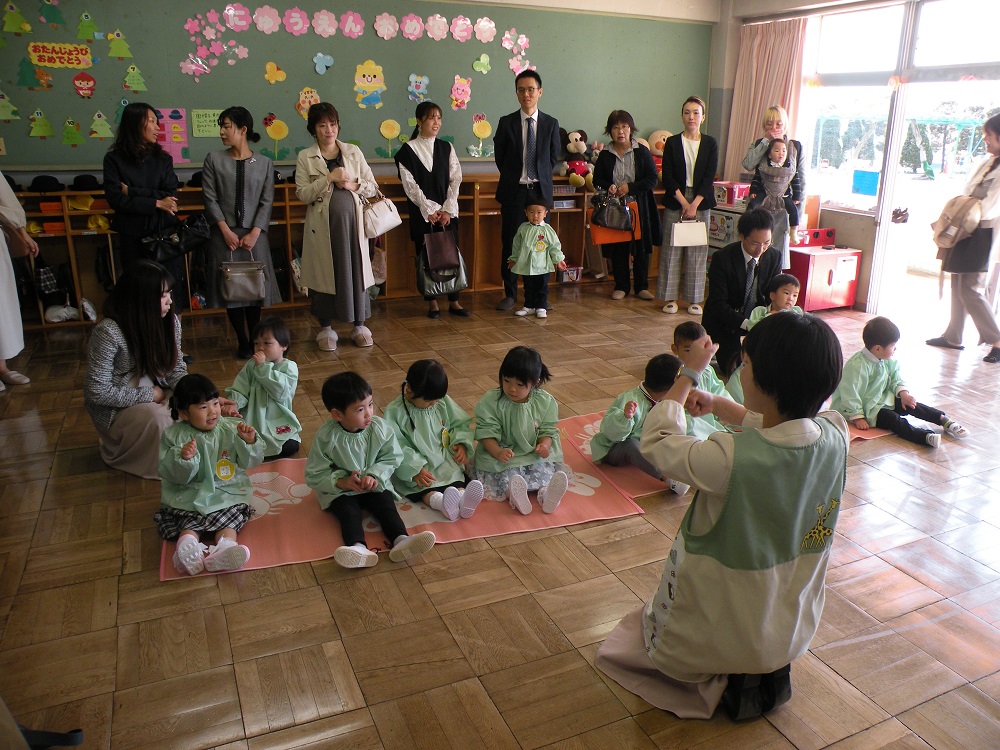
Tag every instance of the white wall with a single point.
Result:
(677, 10)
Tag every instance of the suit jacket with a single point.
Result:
(727, 280)
(640, 189)
(153, 178)
(508, 147)
(675, 171)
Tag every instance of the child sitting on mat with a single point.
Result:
(265, 387)
(617, 441)
(435, 435)
(872, 392)
(203, 461)
(688, 337)
(350, 466)
(519, 448)
(753, 547)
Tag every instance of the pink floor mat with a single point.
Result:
(289, 526)
(870, 434)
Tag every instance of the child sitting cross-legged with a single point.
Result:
(872, 391)
(617, 441)
(350, 465)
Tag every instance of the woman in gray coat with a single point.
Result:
(238, 187)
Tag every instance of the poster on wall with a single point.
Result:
(173, 134)
(205, 123)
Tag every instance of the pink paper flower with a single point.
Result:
(231, 42)
(508, 39)
(238, 16)
(212, 16)
(193, 67)
(242, 52)
(296, 21)
(213, 61)
(386, 25)
(324, 23)
(267, 19)
(192, 26)
(522, 42)
(412, 26)
(210, 32)
(486, 30)
(202, 51)
(216, 48)
(461, 28)
(437, 27)
(352, 24)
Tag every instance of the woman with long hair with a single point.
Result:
(139, 181)
(134, 360)
(431, 176)
(238, 187)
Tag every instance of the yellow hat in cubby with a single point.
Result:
(34, 227)
(97, 223)
(81, 202)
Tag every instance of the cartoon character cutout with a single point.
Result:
(100, 128)
(369, 84)
(84, 84)
(461, 92)
(8, 111)
(40, 127)
(418, 87)
(71, 135)
(307, 97)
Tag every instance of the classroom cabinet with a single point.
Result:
(73, 241)
(828, 277)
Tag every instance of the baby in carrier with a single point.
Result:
(771, 186)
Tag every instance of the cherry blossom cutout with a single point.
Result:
(386, 25)
(324, 23)
(267, 19)
(486, 30)
(238, 17)
(437, 27)
(412, 26)
(296, 21)
(352, 24)
(461, 29)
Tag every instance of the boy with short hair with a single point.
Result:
(872, 391)
(687, 336)
(536, 252)
(350, 467)
(617, 441)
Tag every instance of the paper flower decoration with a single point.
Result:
(267, 19)
(486, 30)
(296, 21)
(386, 25)
(273, 74)
(437, 27)
(324, 23)
(238, 17)
(390, 131)
(352, 24)
(194, 66)
(461, 28)
(482, 65)
(276, 130)
(481, 129)
(412, 27)
(322, 62)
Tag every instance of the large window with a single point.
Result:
(956, 32)
(857, 42)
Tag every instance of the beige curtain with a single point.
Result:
(769, 72)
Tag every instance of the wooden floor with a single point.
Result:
(487, 643)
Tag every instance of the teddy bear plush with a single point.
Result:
(576, 164)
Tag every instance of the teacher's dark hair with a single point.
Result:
(617, 117)
(424, 110)
(134, 304)
(528, 74)
(241, 118)
(751, 221)
(128, 138)
(319, 112)
(799, 390)
(696, 100)
(993, 125)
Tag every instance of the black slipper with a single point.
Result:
(942, 342)
(994, 356)
(459, 311)
(434, 314)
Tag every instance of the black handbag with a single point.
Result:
(442, 250)
(971, 255)
(611, 212)
(176, 240)
(435, 283)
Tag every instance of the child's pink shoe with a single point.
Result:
(226, 555)
(518, 495)
(189, 557)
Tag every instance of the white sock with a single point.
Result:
(400, 539)
(360, 546)
(434, 500)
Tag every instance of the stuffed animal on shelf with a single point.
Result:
(657, 142)
(577, 164)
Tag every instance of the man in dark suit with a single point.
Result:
(526, 149)
(737, 279)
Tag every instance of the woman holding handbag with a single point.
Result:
(330, 179)
(689, 163)
(11, 335)
(238, 187)
(431, 177)
(966, 297)
(627, 170)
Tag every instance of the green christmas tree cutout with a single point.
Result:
(14, 22)
(40, 127)
(134, 80)
(118, 47)
(8, 111)
(49, 13)
(86, 30)
(71, 135)
(100, 127)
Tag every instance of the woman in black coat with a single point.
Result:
(627, 168)
(139, 181)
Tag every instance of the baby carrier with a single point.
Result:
(775, 181)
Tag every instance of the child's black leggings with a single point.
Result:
(893, 419)
(382, 505)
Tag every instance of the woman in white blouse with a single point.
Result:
(431, 176)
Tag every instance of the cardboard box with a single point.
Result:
(730, 193)
(572, 273)
(722, 227)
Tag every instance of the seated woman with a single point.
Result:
(134, 360)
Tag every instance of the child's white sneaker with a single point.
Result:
(518, 495)
(933, 439)
(356, 556)
(541, 312)
(525, 311)
(226, 554)
(678, 488)
(954, 429)
(451, 503)
(551, 494)
(189, 556)
(471, 498)
(412, 545)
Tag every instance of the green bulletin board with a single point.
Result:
(589, 63)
